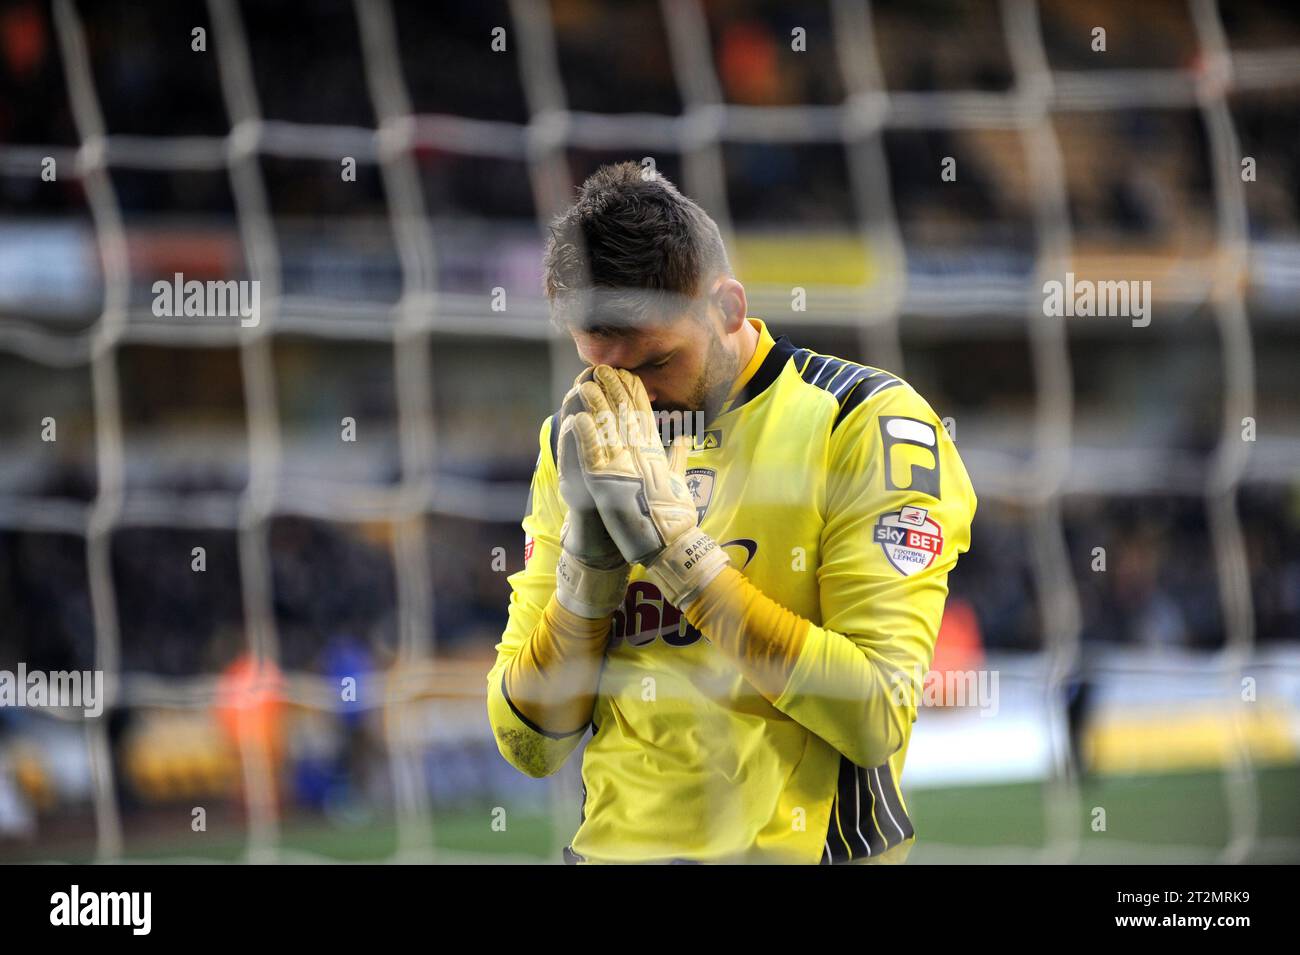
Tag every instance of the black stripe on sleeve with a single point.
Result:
(850, 383)
(842, 835)
(868, 386)
(530, 724)
(895, 820)
(867, 816)
(868, 807)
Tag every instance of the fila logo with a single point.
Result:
(709, 441)
(911, 447)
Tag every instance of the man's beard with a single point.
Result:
(711, 388)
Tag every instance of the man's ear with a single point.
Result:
(729, 295)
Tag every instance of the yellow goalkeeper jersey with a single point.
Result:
(836, 490)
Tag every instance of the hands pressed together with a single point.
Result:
(627, 498)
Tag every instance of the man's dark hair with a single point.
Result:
(631, 249)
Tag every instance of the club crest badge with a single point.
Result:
(910, 539)
(699, 481)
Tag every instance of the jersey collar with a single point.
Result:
(769, 358)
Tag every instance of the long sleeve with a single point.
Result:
(542, 688)
(899, 509)
(551, 680)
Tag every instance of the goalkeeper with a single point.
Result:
(742, 619)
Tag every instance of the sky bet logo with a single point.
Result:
(910, 539)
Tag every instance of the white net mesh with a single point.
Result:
(414, 323)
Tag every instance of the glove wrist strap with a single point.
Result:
(591, 592)
(687, 566)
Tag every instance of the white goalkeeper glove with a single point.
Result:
(591, 573)
(640, 492)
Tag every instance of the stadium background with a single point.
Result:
(409, 300)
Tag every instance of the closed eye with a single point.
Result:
(662, 362)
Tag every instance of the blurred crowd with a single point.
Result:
(1131, 172)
